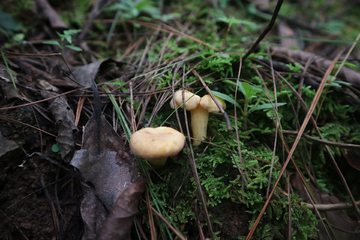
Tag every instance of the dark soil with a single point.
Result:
(34, 191)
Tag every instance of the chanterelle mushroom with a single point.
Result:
(191, 100)
(156, 144)
(200, 117)
(192, 104)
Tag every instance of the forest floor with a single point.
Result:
(280, 159)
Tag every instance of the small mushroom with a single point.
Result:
(192, 103)
(200, 117)
(156, 144)
(191, 100)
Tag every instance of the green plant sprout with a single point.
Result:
(233, 20)
(67, 35)
(56, 149)
(230, 21)
(249, 92)
(130, 9)
(333, 82)
(8, 69)
(296, 67)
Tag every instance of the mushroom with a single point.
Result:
(200, 117)
(156, 144)
(191, 103)
(191, 100)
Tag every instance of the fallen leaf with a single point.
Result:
(87, 73)
(111, 171)
(65, 124)
(343, 226)
(118, 223)
(7, 145)
(107, 165)
(352, 157)
(93, 213)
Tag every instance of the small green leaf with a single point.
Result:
(342, 82)
(68, 38)
(234, 21)
(74, 48)
(52, 42)
(19, 37)
(118, 6)
(71, 32)
(225, 97)
(62, 36)
(351, 65)
(141, 5)
(248, 90)
(265, 106)
(55, 148)
(8, 69)
(294, 68)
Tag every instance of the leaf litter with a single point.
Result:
(108, 166)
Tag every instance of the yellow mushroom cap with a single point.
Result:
(152, 143)
(208, 103)
(191, 100)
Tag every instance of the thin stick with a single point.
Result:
(196, 175)
(12, 222)
(301, 131)
(132, 120)
(201, 233)
(168, 224)
(276, 131)
(236, 125)
(266, 30)
(314, 139)
(43, 100)
(289, 207)
(228, 124)
(330, 207)
(7, 119)
(151, 217)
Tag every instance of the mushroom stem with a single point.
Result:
(157, 162)
(199, 122)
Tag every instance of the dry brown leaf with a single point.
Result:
(93, 213)
(111, 170)
(118, 223)
(87, 73)
(65, 124)
(343, 226)
(114, 175)
(352, 156)
(6, 145)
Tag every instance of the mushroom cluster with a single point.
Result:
(199, 109)
(157, 144)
